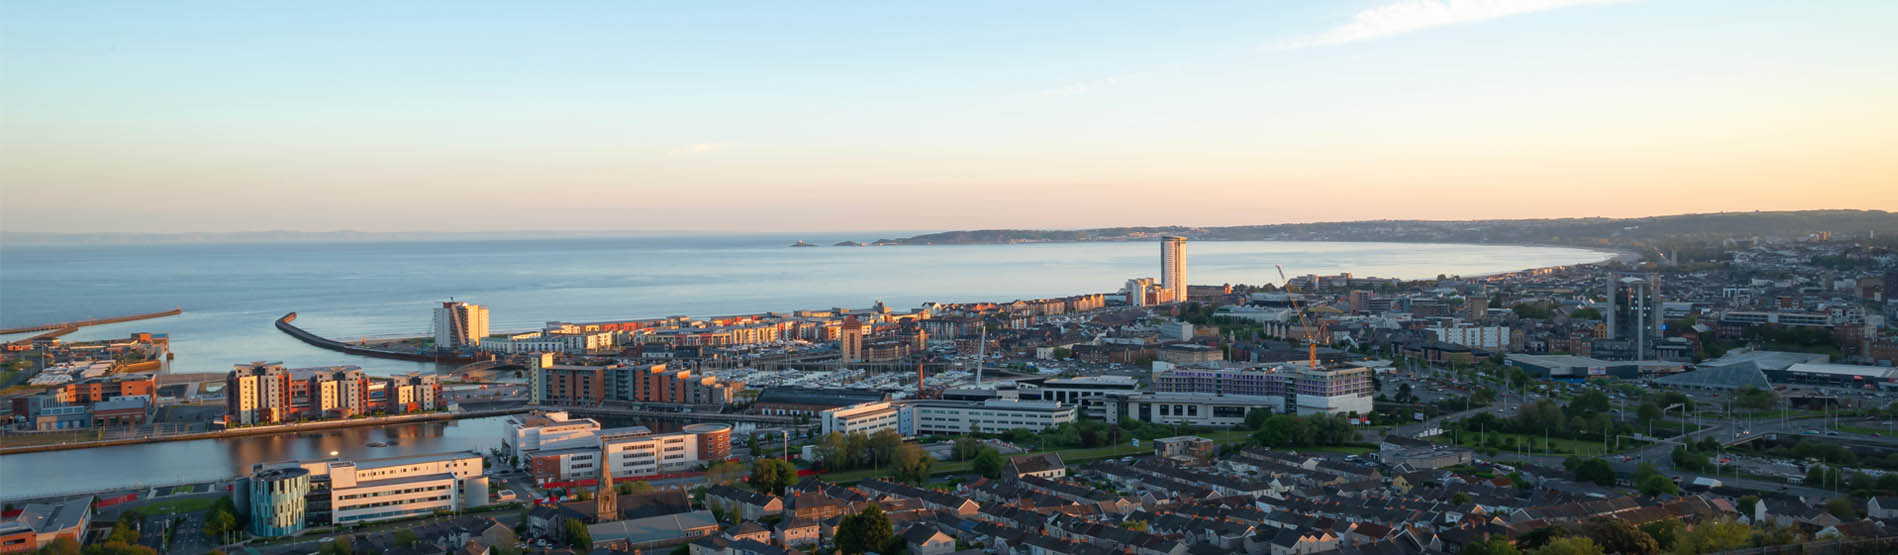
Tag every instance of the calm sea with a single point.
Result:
(232, 292)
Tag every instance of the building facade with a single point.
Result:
(992, 416)
(1173, 266)
(460, 325)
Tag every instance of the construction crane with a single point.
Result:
(1311, 339)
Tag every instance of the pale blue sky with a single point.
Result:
(196, 116)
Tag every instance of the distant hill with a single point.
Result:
(1565, 231)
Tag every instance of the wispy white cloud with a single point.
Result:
(700, 148)
(1404, 16)
(1078, 88)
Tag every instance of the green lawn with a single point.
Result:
(1865, 430)
(176, 506)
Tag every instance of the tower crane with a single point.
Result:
(1311, 339)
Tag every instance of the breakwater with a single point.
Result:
(97, 322)
(284, 325)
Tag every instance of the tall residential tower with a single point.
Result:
(1173, 266)
(460, 325)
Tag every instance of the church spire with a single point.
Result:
(606, 498)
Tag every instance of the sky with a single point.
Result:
(816, 116)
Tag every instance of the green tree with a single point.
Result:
(1595, 470)
(864, 532)
(1588, 403)
(216, 524)
(576, 534)
(1842, 508)
(912, 463)
(62, 545)
(632, 488)
(751, 444)
(967, 448)
(1721, 534)
(988, 463)
(1664, 532)
(406, 539)
(1256, 418)
(1540, 536)
(772, 475)
(883, 446)
(1649, 411)
(1618, 536)
(723, 472)
(1460, 498)
(1574, 545)
(1657, 485)
(1493, 545)
(1134, 525)
(342, 545)
(1756, 398)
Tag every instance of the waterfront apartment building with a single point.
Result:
(341, 493)
(931, 416)
(1144, 292)
(868, 418)
(645, 383)
(1301, 389)
(1173, 266)
(268, 393)
(551, 342)
(459, 325)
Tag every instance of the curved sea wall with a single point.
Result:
(284, 325)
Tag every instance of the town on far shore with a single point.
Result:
(1710, 396)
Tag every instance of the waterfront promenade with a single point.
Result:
(269, 429)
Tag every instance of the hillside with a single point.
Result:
(1565, 231)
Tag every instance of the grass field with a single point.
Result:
(169, 506)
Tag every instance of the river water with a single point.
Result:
(231, 292)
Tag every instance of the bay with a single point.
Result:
(231, 292)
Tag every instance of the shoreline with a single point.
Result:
(266, 430)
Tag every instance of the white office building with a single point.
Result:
(522, 433)
(1191, 409)
(373, 490)
(922, 417)
(868, 418)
